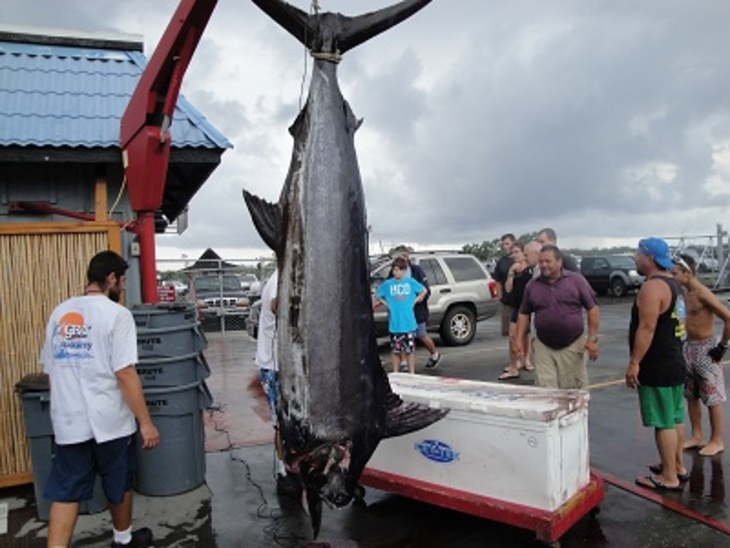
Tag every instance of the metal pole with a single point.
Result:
(148, 265)
(720, 250)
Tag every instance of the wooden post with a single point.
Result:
(100, 199)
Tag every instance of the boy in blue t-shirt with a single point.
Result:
(400, 294)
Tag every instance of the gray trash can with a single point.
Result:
(161, 315)
(177, 464)
(35, 395)
(174, 371)
(174, 340)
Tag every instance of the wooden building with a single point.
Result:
(63, 196)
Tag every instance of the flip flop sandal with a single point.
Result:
(508, 376)
(657, 469)
(650, 482)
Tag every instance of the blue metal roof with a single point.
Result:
(61, 96)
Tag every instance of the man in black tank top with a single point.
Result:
(656, 366)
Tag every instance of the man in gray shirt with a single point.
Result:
(548, 236)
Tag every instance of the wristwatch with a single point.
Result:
(593, 339)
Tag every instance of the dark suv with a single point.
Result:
(616, 273)
(219, 295)
(462, 293)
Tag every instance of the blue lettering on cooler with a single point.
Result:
(436, 451)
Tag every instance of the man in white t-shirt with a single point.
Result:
(89, 354)
(266, 360)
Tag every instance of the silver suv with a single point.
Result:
(462, 293)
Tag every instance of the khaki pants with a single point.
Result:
(563, 368)
(506, 318)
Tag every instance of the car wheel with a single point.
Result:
(459, 326)
(618, 287)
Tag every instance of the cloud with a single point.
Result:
(606, 120)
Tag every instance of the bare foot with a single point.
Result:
(712, 448)
(693, 443)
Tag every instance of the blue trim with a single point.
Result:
(62, 51)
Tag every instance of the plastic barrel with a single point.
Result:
(174, 340)
(174, 371)
(39, 431)
(160, 315)
(177, 464)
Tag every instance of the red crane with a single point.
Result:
(145, 127)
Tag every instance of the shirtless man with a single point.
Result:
(705, 380)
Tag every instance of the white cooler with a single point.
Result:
(519, 444)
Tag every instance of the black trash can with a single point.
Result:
(35, 395)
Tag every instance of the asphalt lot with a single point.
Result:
(237, 506)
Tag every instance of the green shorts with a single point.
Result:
(662, 406)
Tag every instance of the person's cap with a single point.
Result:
(657, 249)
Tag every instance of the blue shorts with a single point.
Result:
(270, 384)
(74, 469)
(421, 330)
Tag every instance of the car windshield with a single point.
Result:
(211, 284)
(623, 262)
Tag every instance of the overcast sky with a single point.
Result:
(607, 120)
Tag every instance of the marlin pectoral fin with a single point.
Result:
(267, 220)
(405, 417)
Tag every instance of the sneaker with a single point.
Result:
(403, 367)
(141, 538)
(433, 362)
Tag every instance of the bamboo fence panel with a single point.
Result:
(39, 270)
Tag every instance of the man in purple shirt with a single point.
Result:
(558, 298)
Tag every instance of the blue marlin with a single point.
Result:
(335, 401)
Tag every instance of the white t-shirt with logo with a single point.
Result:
(266, 357)
(87, 340)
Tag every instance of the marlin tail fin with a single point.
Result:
(328, 32)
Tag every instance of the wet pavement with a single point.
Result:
(238, 506)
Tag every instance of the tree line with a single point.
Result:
(493, 249)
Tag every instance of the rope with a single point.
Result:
(119, 196)
(335, 57)
(313, 10)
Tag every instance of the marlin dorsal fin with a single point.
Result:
(267, 219)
